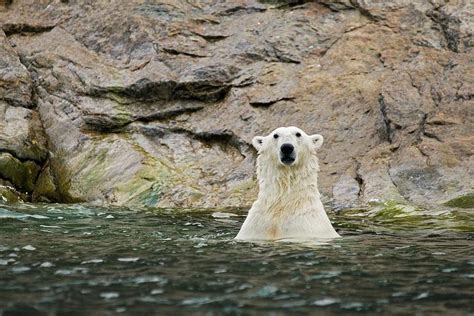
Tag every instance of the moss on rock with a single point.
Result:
(395, 213)
(392, 209)
(21, 174)
(9, 195)
(146, 187)
(45, 188)
(463, 201)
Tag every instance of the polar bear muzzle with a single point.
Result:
(287, 154)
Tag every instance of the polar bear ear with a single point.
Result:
(257, 142)
(317, 140)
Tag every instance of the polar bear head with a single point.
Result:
(287, 146)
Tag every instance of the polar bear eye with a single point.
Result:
(275, 136)
(298, 134)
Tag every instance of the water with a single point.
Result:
(57, 259)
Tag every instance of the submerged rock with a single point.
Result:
(8, 194)
(141, 103)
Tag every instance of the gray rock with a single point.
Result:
(346, 191)
(21, 133)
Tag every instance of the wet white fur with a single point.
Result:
(288, 204)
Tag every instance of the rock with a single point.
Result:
(155, 103)
(16, 86)
(21, 133)
(45, 188)
(275, 85)
(8, 194)
(21, 174)
(455, 22)
(376, 180)
(22, 141)
(346, 191)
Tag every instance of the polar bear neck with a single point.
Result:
(298, 182)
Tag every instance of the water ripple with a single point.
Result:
(143, 261)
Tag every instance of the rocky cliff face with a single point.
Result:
(155, 102)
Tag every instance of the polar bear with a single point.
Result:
(288, 206)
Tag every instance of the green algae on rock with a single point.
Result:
(463, 201)
(9, 195)
(20, 174)
(394, 216)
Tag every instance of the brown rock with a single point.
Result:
(156, 103)
(16, 86)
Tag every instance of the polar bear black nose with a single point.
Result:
(287, 149)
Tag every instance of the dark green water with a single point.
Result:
(57, 259)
